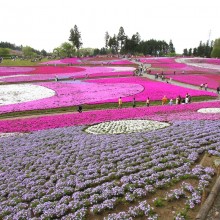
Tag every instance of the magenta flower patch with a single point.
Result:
(160, 113)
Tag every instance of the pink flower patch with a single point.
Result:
(75, 93)
(161, 113)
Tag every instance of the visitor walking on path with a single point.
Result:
(206, 86)
(171, 102)
(164, 100)
(79, 109)
(134, 102)
(148, 102)
(120, 103)
(218, 90)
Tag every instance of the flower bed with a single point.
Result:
(7, 71)
(125, 126)
(213, 80)
(209, 110)
(169, 65)
(153, 89)
(213, 64)
(110, 61)
(159, 113)
(49, 73)
(68, 174)
(71, 93)
(73, 60)
(13, 94)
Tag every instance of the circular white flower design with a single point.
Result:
(209, 110)
(125, 126)
(12, 94)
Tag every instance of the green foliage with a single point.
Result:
(10, 46)
(121, 38)
(113, 44)
(158, 202)
(216, 49)
(4, 52)
(75, 37)
(86, 52)
(28, 51)
(203, 50)
(66, 50)
(106, 39)
(171, 47)
(185, 52)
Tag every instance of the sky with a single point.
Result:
(46, 24)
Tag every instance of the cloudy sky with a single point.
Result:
(45, 24)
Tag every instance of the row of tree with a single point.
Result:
(122, 44)
(27, 51)
(203, 50)
(208, 49)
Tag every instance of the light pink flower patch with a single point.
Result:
(62, 72)
(75, 93)
(73, 60)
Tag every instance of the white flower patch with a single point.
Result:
(122, 68)
(209, 110)
(12, 94)
(190, 62)
(11, 76)
(125, 127)
(3, 135)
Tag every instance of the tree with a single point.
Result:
(106, 39)
(57, 51)
(43, 52)
(216, 49)
(4, 52)
(67, 50)
(190, 52)
(75, 37)
(28, 51)
(201, 49)
(113, 44)
(185, 52)
(195, 52)
(171, 47)
(121, 37)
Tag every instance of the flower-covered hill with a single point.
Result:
(182, 65)
(72, 93)
(66, 173)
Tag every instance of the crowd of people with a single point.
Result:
(179, 100)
